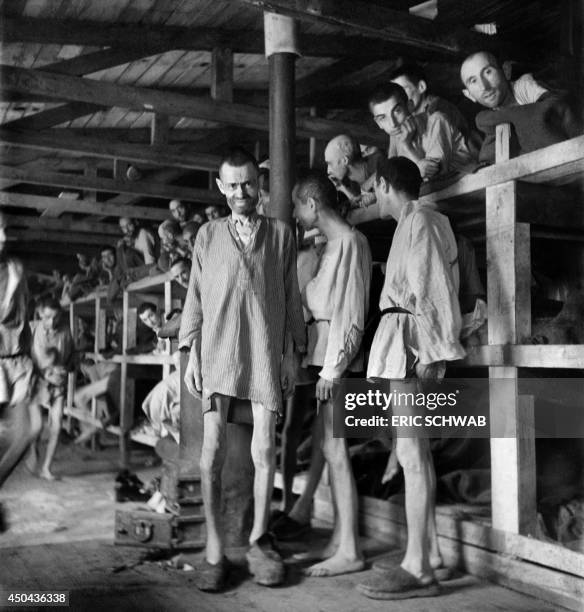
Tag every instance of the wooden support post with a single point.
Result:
(120, 169)
(159, 129)
(90, 172)
(222, 74)
(280, 36)
(509, 274)
(167, 308)
(312, 143)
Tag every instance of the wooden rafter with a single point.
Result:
(136, 98)
(141, 188)
(99, 34)
(180, 156)
(44, 223)
(89, 207)
(397, 27)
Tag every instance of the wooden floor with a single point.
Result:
(60, 537)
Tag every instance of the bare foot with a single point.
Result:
(318, 554)
(336, 565)
(48, 475)
(391, 469)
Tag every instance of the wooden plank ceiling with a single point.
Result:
(80, 81)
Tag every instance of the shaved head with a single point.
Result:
(485, 81)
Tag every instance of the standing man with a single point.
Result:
(18, 424)
(429, 140)
(53, 357)
(418, 332)
(241, 316)
(338, 300)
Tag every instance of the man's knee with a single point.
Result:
(263, 453)
(334, 451)
(412, 454)
(211, 462)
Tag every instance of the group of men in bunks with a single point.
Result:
(264, 324)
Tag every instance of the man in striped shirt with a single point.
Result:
(241, 314)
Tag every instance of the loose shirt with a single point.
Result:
(437, 139)
(338, 299)
(59, 339)
(162, 406)
(422, 277)
(241, 303)
(14, 328)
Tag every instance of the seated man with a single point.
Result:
(350, 171)
(189, 233)
(429, 140)
(412, 78)
(137, 239)
(213, 212)
(337, 298)
(180, 270)
(180, 212)
(162, 405)
(151, 318)
(539, 117)
(171, 245)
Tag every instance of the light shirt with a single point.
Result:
(526, 90)
(338, 300)
(437, 139)
(422, 277)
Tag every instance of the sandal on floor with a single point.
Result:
(210, 577)
(391, 560)
(265, 563)
(287, 528)
(397, 584)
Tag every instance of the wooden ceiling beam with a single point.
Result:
(84, 227)
(100, 34)
(388, 24)
(136, 98)
(141, 188)
(33, 235)
(89, 207)
(180, 156)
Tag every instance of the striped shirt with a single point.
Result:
(241, 303)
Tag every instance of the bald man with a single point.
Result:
(350, 171)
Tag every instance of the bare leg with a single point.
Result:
(436, 560)
(35, 415)
(25, 425)
(295, 410)
(412, 454)
(55, 420)
(347, 557)
(302, 508)
(211, 464)
(263, 454)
